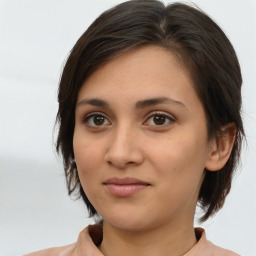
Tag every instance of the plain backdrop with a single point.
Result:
(35, 39)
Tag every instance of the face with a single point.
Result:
(140, 140)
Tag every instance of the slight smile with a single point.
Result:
(125, 187)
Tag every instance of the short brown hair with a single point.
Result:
(200, 45)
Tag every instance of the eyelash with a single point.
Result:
(166, 117)
(93, 115)
(170, 119)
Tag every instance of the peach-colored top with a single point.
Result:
(91, 236)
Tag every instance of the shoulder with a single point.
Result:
(205, 247)
(216, 250)
(68, 250)
(83, 244)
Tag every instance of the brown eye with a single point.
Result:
(96, 120)
(159, 119)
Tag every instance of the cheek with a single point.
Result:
(88, 166)
(179, 179)
(180, 150)
(88, 155)
(180, 162)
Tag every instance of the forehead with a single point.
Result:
(146, 72)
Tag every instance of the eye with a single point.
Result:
(159, 119)
(96, 120)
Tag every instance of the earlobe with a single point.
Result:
(221, 148)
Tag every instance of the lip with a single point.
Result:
(125, 187)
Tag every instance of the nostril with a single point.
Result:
(121, 156)
(122, 165)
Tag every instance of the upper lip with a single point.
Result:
(124, 181)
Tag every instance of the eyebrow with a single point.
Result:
(139, 105)
(94, 102)
(155, 101)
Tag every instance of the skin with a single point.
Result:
(169, 156)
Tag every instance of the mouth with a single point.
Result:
(125, 187)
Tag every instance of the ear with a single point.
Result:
(221, 147)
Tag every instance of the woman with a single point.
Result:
(149, 126)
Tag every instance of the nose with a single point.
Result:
(124, 149)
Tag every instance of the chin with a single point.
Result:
(129, 226)
(128, 222)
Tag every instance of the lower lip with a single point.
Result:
(125, 190)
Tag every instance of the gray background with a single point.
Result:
(35, 38)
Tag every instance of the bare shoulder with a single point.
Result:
(68, 250)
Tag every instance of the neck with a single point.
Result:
(163, 240)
